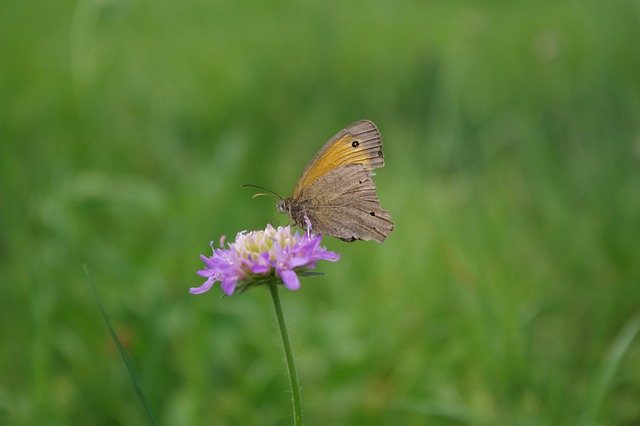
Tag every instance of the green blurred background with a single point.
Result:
(508, 293)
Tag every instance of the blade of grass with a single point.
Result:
(610, 365)
(121, 350)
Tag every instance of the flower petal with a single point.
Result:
(296, 262)
(290, 279)
(204, 287)
(229, 285)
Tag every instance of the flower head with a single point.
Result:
(257, 257)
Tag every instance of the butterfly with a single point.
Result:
(336, 192)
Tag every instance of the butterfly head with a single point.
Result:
(292, 209)
(283, 206)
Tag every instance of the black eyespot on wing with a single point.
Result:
(355, 144)
(380, 153)
(372, 213)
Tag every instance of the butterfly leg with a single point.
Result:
(308, 223)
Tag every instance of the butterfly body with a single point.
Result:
(336, 192)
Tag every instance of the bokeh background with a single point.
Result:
(509, 292)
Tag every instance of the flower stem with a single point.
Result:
(291, 366)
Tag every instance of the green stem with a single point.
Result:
(291, 366)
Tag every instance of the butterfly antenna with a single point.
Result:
(269, 192)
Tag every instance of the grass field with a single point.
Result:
(508, 293)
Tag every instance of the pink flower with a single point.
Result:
(258, 257)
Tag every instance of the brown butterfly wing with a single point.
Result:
(358, 143)
(344, 204)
